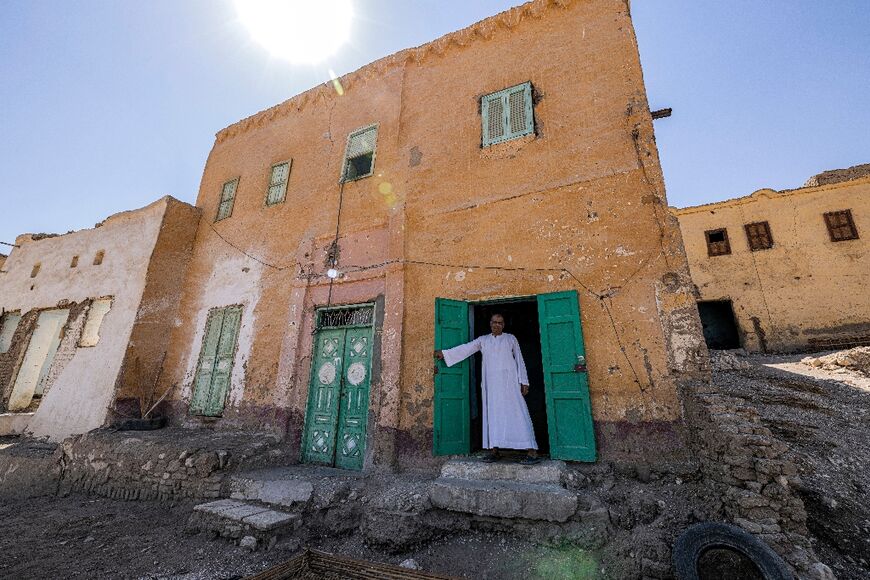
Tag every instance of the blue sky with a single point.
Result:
(106, 105)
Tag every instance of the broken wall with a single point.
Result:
(804, 293)
(108, 261)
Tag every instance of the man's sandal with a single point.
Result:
(490, 458)
(529, 460)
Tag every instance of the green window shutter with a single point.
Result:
(228, 197)
(569, 411)
(452, 420)
(223, 368)
(278, 183)
(359, 155)
(507, 114)
(493, 119)
(206, 364)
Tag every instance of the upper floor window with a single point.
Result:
(758, 235)
(228, 197)
(507, 114)
(8, 324)
(359, 157)
(278, 183)
(717, 242)
(841, 226)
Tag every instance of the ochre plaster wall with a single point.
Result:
(579, 205)
(81, 380)
(806, 291)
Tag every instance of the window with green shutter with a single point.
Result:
(278, 182)
(507, 114)
(228, 197)
(359, 157)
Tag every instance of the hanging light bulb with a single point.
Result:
(332, 273)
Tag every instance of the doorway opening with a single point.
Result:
(521, 320)
(719, 324)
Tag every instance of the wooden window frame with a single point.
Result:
(712, 250)
(232, 201)
(833, 229)
(755, 240)
(347, 159)
(507, 133)
(270, 185)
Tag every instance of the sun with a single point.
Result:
(301, 31)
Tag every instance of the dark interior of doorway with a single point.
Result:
(720, 328)
(521, 320)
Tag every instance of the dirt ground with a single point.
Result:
(88, 537)
(824, 417)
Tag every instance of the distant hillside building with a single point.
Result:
(781, 271)
(351, 230)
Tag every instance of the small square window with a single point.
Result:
(74, 262)
(759, 236)
(8, 325)
(841, 226)
(228, 197)
(98, 257)
(278, 183)
(34, 272)
(717, 242)
(507, 114)
(359, 157)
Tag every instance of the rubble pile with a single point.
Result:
(855, 359)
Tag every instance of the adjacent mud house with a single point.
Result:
(80, 310)
(780, 271)
(352, 229)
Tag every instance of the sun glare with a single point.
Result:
(301, 31)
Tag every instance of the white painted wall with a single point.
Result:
(79, 397)
(235, 279)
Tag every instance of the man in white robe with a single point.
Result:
(506, 420)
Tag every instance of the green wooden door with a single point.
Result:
(452, 421)
(215, 367)
(569, 412)
(354, 400)
(324, 392)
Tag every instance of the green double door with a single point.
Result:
(569, 412)
(338, 398)
(215, 367)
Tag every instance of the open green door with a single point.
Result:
(452, 425)
(569, 412)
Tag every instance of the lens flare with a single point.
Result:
(300, 31)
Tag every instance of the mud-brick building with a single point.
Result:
(781, 271)
(352, 229)
(84, 312)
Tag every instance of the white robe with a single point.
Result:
(506, 420)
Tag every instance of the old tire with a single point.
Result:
(149, 424)
(701, 538)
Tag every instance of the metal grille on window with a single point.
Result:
(758, 235)
(359, 157)
(228, 195)
(841, 226)
(278, 183)
(340, 317)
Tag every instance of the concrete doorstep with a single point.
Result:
(504, 499)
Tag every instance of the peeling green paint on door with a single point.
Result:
(215, 368)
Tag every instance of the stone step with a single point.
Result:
(237, 519)
(546, 472)
(273, 491)
(504, 499)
